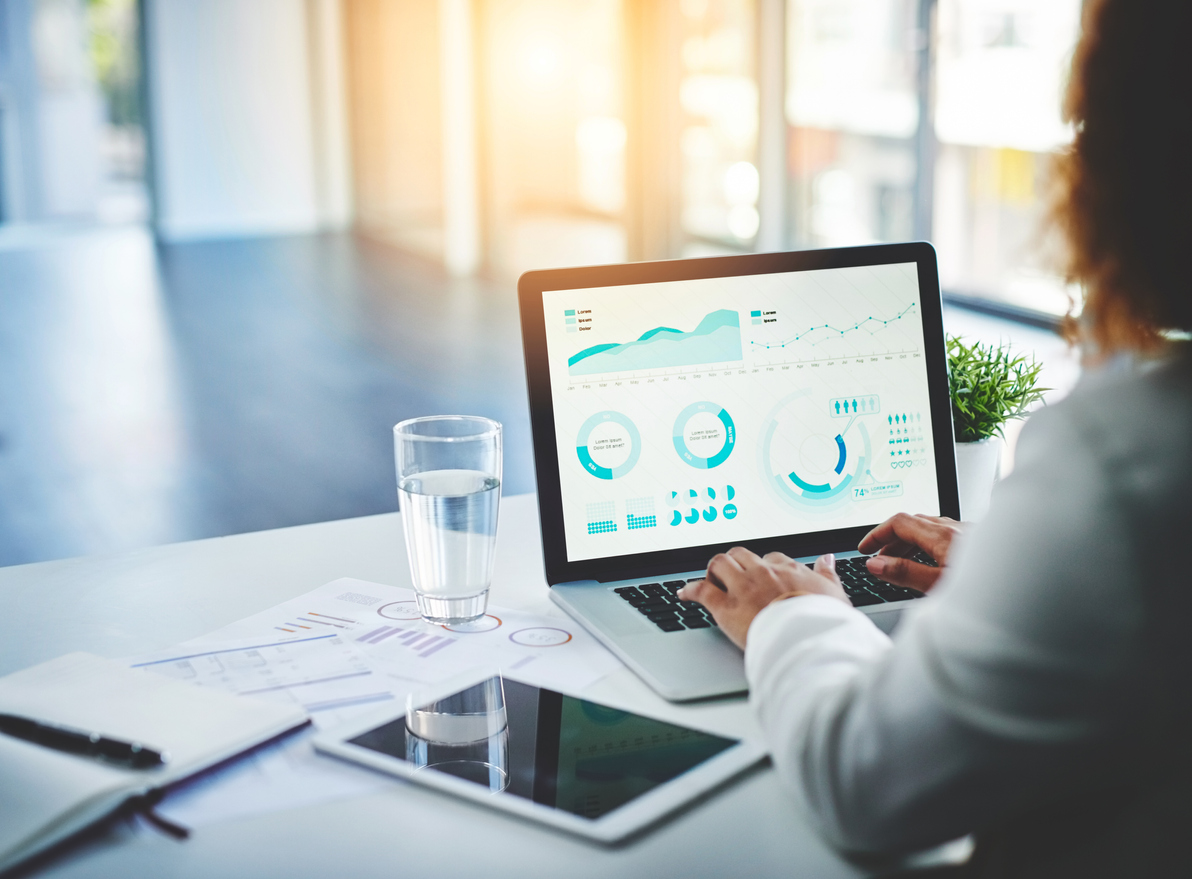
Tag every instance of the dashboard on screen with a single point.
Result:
(718, 410)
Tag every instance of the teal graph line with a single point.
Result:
(864, 324)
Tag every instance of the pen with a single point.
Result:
(132, 755)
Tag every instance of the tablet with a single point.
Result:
(600, 772)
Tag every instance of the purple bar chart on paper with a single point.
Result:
(422, 643)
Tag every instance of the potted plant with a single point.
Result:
(989, 386)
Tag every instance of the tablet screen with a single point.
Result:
(727, 409)
(566, 753)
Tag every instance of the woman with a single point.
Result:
(1041, 698)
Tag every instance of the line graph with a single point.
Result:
(831, 332)
(847, 330)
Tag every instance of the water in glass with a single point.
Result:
(450, 521)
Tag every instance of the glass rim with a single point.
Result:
(491, 428)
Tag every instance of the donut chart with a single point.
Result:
(400, 610)
(680, 429)
(809, 462)
(540, 636)
(585, 455)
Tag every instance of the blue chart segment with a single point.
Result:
(808, 462)
(821, 488)
(639, 513)
(696, 499)
(717, 339)
(680, 438)
(632, 438)
(602, 517)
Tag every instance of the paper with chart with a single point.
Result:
(341, 651)
(382, 623)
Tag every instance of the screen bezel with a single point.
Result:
(532, 285)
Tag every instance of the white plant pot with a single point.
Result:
(978, 466)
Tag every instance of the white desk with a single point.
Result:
(128, 604)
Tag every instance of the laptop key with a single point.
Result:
(675, 584)
(865, 599)
(697, 624)
(657, 611)
(670, 625)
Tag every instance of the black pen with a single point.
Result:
(132, 755)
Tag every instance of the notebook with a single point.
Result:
(46, 795)
(779, 401)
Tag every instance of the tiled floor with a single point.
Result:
(159, 393)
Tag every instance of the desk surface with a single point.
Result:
(136, 602)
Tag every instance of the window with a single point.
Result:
(614, 129)
(718, 98)
(1000, 73)
(852, 110)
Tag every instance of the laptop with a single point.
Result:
(779, 401)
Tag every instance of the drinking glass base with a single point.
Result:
(452, 611)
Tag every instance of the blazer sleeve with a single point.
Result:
(1005, 682)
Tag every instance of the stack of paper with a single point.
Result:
(344, 649)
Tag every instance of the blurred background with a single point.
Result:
(240, 240)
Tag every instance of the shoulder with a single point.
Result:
(1132, 423)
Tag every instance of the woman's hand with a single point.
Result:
(739, 585)
(904, 535)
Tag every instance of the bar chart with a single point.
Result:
(422, 643)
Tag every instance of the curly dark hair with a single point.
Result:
(1125, 186)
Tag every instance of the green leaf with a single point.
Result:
(989, 386)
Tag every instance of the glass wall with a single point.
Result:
(112, 46)
(610, 128)
(1000, 73)
(852, 110)
(72, 144)
(554, 134)
(393, 56)
(718, 100)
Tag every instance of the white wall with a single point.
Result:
(233, 120)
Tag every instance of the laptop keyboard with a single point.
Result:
(658, 603)
(864, 589)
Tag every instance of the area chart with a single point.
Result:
(717, 339)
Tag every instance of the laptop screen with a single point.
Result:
(719, 410)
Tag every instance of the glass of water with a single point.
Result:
(449, 487)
